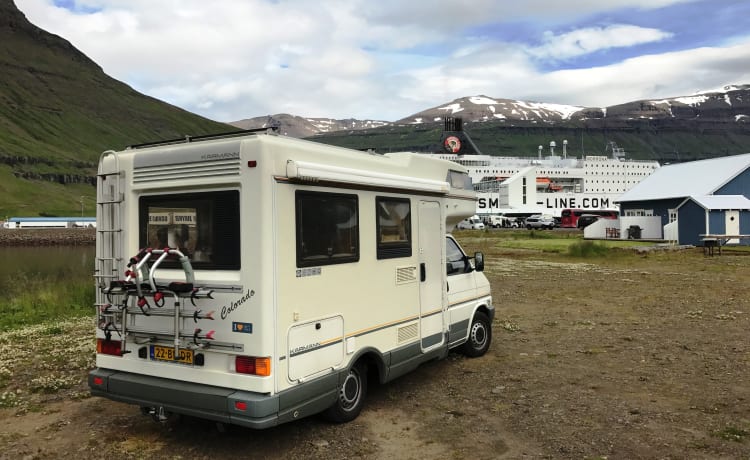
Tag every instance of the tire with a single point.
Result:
(528, 227)
(480, 336)
(351, 396)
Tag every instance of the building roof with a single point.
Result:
(710, 202)
(695, 178)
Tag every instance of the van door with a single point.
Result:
(431, 275)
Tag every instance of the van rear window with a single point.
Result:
(204, 226)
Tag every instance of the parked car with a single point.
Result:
(471, 223)
(501, 221)
(587, 219)
(540, 221)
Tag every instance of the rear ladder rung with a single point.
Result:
(109, 174)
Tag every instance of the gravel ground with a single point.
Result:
(628, 356)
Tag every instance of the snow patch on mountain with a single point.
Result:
(730, 102)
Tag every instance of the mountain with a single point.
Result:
(730, 104)
(58, 112)
(296, 126)
(703, 125)
(483, 108)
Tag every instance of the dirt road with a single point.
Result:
(622, 357)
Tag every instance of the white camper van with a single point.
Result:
(256, 279)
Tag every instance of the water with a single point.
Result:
(53, 263)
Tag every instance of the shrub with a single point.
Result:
(587, 249)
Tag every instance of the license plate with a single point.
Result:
(158, 353)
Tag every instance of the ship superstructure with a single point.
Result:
(546, 183)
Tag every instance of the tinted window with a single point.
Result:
(204, 226)
(455, 258)
(394, 227)
(327, 228)
(459, 180)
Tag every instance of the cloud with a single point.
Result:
(591, 39)
(231, 59)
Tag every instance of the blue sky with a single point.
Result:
(234, 59)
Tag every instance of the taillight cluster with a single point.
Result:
(109, 347)
(253, 365)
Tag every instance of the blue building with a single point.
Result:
(695, 198)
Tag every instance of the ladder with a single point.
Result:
(109, 198)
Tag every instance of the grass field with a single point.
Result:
(34, 300)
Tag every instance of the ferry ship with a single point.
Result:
(547, 183)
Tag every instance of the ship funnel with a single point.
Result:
(540, 151)
(454, 124)
(552, 146)
(455, 140)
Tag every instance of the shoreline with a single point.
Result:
(47, 236)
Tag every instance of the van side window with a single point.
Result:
(204, 226)
(394, 227)
(455, 258)
(327, 228)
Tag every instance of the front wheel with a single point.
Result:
(480, 336)
(351, 396)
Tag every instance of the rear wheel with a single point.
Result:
(351, 395)
(480, 336)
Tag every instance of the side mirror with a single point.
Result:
(478, 261)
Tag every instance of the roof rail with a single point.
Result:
(205, 137)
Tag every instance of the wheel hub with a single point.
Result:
(478, 335)
(350, 391)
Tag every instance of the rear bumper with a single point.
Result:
(214, 403)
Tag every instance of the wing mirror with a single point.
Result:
(478, 261)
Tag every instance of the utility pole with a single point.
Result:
(82, 197)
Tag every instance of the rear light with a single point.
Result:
(240, 405)
(98, 381)
(252, 365)
(108, 347)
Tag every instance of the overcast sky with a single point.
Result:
(387, 59)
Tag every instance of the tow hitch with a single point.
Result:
(159, 414)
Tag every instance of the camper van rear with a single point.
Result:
(256, 279)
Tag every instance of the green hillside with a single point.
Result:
(664, 140)
(58, 112)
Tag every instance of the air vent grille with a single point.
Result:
(407, 333)
(199, 170)
(406, 275)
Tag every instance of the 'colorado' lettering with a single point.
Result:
(227, 310)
